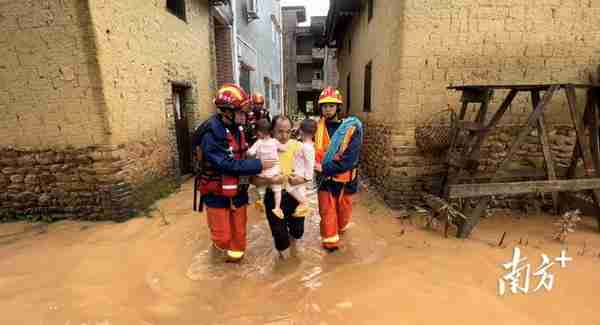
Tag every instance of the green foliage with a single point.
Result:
(152, 191)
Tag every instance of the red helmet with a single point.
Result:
(258, 99)
(330, 95)
(232, 96)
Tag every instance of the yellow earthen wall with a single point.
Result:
(50, 93)
(420, 47)
(142, 47)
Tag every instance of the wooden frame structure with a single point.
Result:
(468, 136)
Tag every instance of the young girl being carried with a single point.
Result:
(304, 165)
(267, 148)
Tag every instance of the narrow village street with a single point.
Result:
(455, 145)
(390, 271)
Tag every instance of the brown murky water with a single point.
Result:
(144, 272)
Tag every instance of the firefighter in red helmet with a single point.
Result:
(220, 147)
(337, 150)
(256, 113)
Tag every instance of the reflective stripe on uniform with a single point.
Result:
(332, 239)
(235, 254)
(229, 187)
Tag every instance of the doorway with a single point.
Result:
(182, 128)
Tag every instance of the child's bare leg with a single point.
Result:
(260, 190)
(299, 193)
(277, 193)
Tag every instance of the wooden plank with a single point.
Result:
(522, 87)
(520, 175)
(592, 112)
(515, 188)
(579, 129)
(455, 130)
(476, 213)
(484, 107)
(543, 135)
(476, 146)
(531, 122)
(582, 142)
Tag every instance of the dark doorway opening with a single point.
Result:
(307, 103)
(245, 79)
(182, 128)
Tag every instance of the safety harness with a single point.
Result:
(208, 180)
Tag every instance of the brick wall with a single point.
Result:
(421, 47)
(224, 55)
(290, 74)
(50, 91)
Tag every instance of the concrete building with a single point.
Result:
(259, 49)
(98, 99)
(304, 57)
(396, 58)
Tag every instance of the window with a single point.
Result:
(309, 107)
(367, 92)
(317, 75)
(245, 79)
(370, 9)
(177, 8)
(252, 9)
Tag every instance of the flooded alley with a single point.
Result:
(159, 270)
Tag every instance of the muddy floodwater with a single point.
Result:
(390, 271)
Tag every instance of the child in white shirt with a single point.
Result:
(304, 165)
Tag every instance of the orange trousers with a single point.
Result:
(228, 230)
(336, 213)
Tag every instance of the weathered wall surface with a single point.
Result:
(382, 135)
(142, 48)
(143, 51)
(418, 48)
(50, 83)
(88, 91)
(80, 182)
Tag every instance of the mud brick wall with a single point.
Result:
(562, 140)
(401, 171)
(89, 84)
(396, 167)
(143, 49)
(93, 183)
(86, 182)
(223, 54)
(50, 91)
(422, 47)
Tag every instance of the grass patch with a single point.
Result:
(146, 195)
